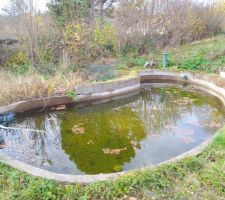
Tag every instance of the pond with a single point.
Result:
(156, 125)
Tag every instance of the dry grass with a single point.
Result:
(34, 85)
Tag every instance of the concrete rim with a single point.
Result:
(153, 76)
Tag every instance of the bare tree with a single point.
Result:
(165, 22)
(25, 17)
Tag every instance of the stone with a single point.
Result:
(151, 64)
(147, 64)
(222, 74)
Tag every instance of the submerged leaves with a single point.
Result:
(61, 107)
(188, 140)
(180, 130)
(77, 129)
(113, 151)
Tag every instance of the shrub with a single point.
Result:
(105, 36)
(18, 58)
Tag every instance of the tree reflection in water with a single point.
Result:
(105, 138)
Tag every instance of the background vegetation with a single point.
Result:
(99, 40)
(73, 34)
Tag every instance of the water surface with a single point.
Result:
(142, 130)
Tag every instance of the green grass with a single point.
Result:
(207, 55)
(201, 177)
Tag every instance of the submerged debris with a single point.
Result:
(91, 142)
(113, 151)
(61, 107)
(215, 124)
(2, 145)
(77, 129)
(187, 140)
(7, 118)
(135, 145)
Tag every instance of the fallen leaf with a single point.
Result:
(91, 142)
(78, 130)
(155, 135)
(113, 151)
(171, 127)
(215, 124)
(132, 198)
(62, 107)
(186, 132)
(188, 140)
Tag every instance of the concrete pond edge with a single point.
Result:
(103, 93)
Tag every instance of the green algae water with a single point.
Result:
(146, 129)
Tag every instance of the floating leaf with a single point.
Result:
(155, 135)
(171, 126)
(62, 107)
(91, 142)
(188, 132)
(187, 140)
(135, 145)
(78, 130)
(113, 151)
(215, 124)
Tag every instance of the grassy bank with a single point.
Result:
(207, 55)
(201, 177)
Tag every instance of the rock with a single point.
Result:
(147, 64)
(222, 74)
(151, 64)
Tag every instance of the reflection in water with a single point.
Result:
(149, 128)
(116, 130)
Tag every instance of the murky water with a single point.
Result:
(146, 129)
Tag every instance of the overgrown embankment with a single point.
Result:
(202, 56)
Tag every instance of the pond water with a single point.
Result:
(146, 129)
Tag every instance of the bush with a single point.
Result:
(84, 45)
(17, 59)
(105, 37)
(18, 63)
